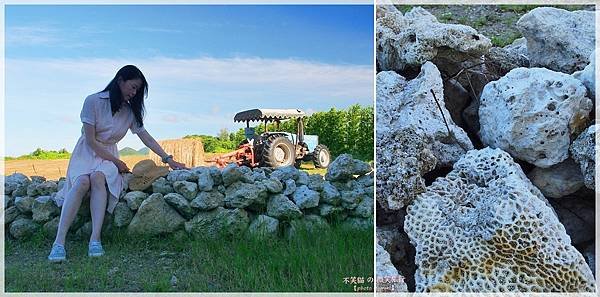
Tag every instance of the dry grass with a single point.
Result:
(55, 169)
(52, 169)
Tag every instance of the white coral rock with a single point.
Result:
(486, 228)
(405, 104)
(417, 37)
(558, 39)
(532, 113)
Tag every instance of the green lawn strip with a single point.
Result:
(309, 262)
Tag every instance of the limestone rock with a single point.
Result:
(403, 158)
(162, 186)
(218, 222)
(327, 210)
(241, 194)
(417, 37)
(181, 204)
(305, 197)
(10, 214)
(315, 182)
(9, 188)
(558, 39)
(364, 208)
(186, 189)
(583, 150)
(247, 174)
(24, 204)
(155, 217)
(587, 76)
(285, 173)
(385, 270)
(8, 201)
(32, 189)
(205, 180)
(273, 185)
(345, 167)
(486, 223)
(135, 198)
(44, 209)
(351, 198)
(264, 227)
(13, 181)
(231, 174)
(280, 207)
(290, 187)
(23, 228)
(393, 239)
(36, 179)
(182, 175)
(208, 200)
(16, 184)
(366, 180)
(330, 194)
(403, 105)
(47, 188)
(122, 215)
(303, 178)
(258, 176)
(215, 173)
(21, 189)
(532, 112)
(518, 48)
(559, 180)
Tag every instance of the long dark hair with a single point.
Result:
(128, 72)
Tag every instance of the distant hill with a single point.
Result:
(127, 151)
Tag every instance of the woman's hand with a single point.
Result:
(176, 165)
(121, 166)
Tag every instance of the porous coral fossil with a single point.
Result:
(486, 228)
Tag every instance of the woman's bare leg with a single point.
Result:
(71, 206)
(98, 199)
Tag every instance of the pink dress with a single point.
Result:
(109, 130)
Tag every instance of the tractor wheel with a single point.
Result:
(321, 156)
(278, 151)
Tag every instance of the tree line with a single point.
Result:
(342, 131)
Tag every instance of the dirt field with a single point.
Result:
(52, 169)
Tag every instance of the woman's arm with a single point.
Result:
(90, 139)
(151, 143)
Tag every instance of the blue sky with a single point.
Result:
(203, 64)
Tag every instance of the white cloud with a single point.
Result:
(31, 35)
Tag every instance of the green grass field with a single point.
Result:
(316, 262)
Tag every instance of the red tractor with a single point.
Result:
(275, 149)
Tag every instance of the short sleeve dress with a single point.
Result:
(109, 130)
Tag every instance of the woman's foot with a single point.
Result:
(58, 253)
(95, 249)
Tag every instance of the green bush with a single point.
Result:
(213, 144)
(40, 154)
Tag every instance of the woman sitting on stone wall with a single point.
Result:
(95, 165)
